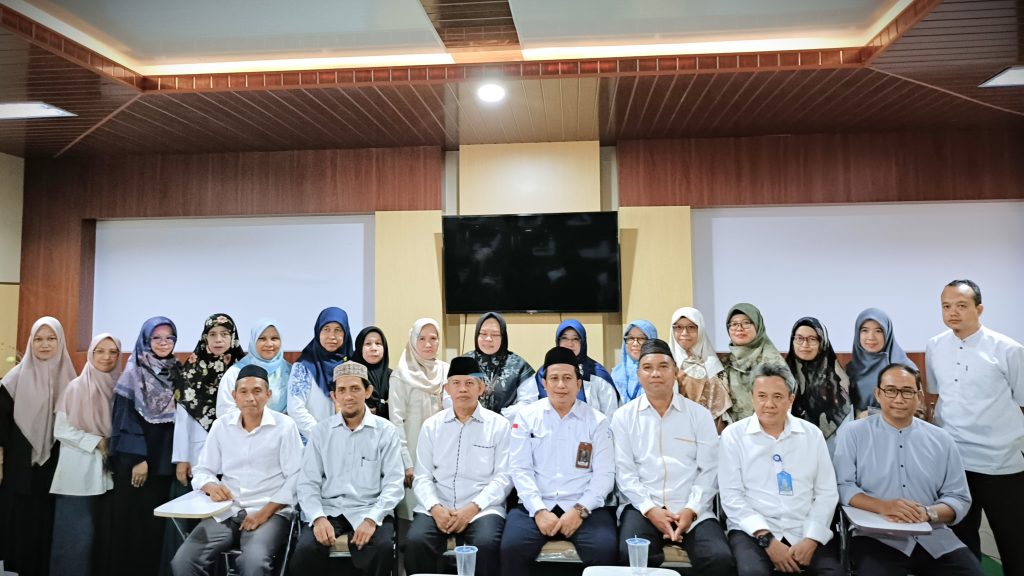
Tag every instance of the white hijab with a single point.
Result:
(701, 362)
(416, 371)
(35, 385)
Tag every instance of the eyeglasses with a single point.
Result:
(570, 339)
(809, 340)
(635, 339)
(163, 339)
(682, 329)
(744, 325)
(907, 393)
(489, 335)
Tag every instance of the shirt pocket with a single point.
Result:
(368, 472)
(481, 459)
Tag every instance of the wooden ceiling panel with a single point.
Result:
(473, 23)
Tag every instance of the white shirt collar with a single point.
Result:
(754, 426)
(235, 419)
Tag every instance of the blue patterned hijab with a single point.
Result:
(624, 373)
(150, 381)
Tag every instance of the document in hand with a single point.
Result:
(870, 523)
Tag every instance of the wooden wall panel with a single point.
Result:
(822, 168)
(64, 197)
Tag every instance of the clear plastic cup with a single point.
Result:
(465, 560)
(638, 554)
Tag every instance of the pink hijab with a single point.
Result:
(35, 385)
(89, 399)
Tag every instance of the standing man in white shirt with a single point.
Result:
(351, 481)
(258, 454)
(462, 477)
(777, 485)
(563, 467)
(666, 464)
(979, 376)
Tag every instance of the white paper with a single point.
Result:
(871, 523)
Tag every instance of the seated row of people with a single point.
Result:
(778, 487)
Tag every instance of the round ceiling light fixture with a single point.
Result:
(490, 92)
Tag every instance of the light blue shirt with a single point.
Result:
(919, 463)
(357, 473)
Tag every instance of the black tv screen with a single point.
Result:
(532, 263)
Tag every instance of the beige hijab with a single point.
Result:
(416, 371)
(89, 399)
(35, 385)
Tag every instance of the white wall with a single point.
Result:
(832, 262)
(288, 268)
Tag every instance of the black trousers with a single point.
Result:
(522, 541)
(872, 558)
(375, 558)
(1002, 499)
(425, 544)
(752, 560)
(705, 544)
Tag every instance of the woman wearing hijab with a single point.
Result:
(310, 382)
(597, 389)
(508, 377)
(141, 440)
(749, 346)
(874, 348)
(196, 394)
(416, 395)
(701, 375)
(371, 350)
(28, 397)
(265, 351)
(822, 387)
(627, 384)
(82, 425)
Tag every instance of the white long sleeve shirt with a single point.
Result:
(749, 487)
(189, 437)
(307, 403)
(80, 470)
(543, 454)
(667, 461)
(458, 463)
(258, 467)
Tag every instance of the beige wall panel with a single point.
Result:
(12, 185)
(408, 273)
(529, 178)
(656, 264)
(8, 325)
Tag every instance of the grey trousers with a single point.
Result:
(198, 555)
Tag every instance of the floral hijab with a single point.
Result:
(503, 370)
(148, 381)
(201, 373)
(822, 388)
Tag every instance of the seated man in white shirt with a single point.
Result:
(777, 485)
(563, 468)
(666, 463)
(351, 481)
(905, 470)
(462, 477)
(258, 453)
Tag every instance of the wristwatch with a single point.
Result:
(765, 540)
(582, 510)
(933, 514)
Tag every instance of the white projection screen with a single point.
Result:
(287, 268)
(832, 262)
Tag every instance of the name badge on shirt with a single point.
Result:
(785, 482)
(583, 454)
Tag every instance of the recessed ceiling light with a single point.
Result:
(24, 110)
(1012, 76)
(490, 92)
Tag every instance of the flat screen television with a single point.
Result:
(532, 263)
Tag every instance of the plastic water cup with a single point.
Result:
(638, 554)
(465, 560)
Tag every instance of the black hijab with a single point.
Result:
(379, 374)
